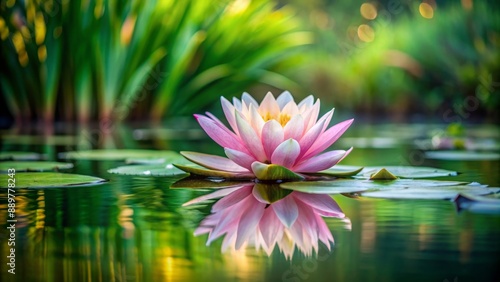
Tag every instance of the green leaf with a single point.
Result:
(383, 174)
(274, 172)
(198, 170)
(269, 193)
(355, 185)
(462, 156)
(345, 171)
(477, 204)
(442, 192)
(48, 180)
(148, 170)
(402, 171)
(121, 154)
(197, 183)
(146, 161)
(323, 187)
(20, 156)
(33, 166)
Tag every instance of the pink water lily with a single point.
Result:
(278, 132)
(245, 217)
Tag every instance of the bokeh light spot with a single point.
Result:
(366, 33)
(426, 10)
(368, 11)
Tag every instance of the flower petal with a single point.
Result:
(249, 100)
(294, 128)
(321, 162)
(249, 221)
(311, 115)
(229, 110)
(220, 134)
(306, 103)
(286, 153)
(320, 202)
(286, 210)
(284, 98)
(250, 139)
(290, 109)
(213, 162)
(215, 173)
(325, 235)
(327, 118)
(232, 199)
(308, 139)
(269, 107)
(240, 158)
(272, 136)
(237, 103)
(328, 138)
(217, 194)
(270, 228)
(256, 120)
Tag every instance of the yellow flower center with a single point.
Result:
(282, 118)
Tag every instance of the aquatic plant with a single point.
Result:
(89, 60)
(273, 140)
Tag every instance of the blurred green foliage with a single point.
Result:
(105, 59)
(391, 58)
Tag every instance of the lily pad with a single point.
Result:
(148, 170)
(48, 180)
(462, 156)
(121, 154)
(403, 171)
(197, 183)
(343, 171)
(145, 161)
(443, 192)
(201, 171)
(273, 172)
(33, 166)
(477, 204)
(20, 156)
(355, 185)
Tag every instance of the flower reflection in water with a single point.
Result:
(264, 215)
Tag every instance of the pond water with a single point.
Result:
(136, 229)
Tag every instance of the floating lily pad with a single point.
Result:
(33, 166)
(197, 183)
(477, 204)
(442, 192)
(121, 154)
(273, 172)
(150, 170)
(343, 171)
(20, 156)
(403, 171)
(201, 171)
(48, 180)
(144, 161)
(354, 185)
(462, 156)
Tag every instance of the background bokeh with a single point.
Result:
(388, 60)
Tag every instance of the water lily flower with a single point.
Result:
(248, 217)
(277, 139)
